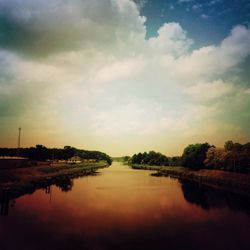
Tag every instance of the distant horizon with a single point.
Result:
(122, 155)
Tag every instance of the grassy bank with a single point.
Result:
(17, 182)
(233, 182)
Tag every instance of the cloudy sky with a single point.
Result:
(124, 76)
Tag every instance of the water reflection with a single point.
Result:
(48, 190)
(65, 184)
(123, 208)
(5, 203)
(208, 198)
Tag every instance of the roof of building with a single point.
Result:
(12, 158)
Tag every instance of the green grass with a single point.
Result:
(234, 182)
(157, 168)
(26, 180)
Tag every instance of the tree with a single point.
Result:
(69, 152)
(215, 158)
(234, 157)
(228, 145)
(231, 146)
(137, 158)
(151, 158)
(175, 161)
(194, 155)
(39, 153)
(126, 158)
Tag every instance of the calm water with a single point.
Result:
(122, 208)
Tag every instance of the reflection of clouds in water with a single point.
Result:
(119, 208)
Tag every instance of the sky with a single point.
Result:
(124, 76)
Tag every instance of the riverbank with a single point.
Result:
(228, 181)
(17, 182)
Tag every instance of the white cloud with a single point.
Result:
(106, 79)
(213, 61)
(210, 91)
(47, 27)
(119, 70)
(204, 16)
(171, 40)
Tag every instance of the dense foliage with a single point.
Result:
(175, 161)
(41, 153)
(194, 155)
(233, 157)
(151, 158)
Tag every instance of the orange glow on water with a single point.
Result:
(117, 206)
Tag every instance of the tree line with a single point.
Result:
(155, 158)
(233, 157)
(42, 153)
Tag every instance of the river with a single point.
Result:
(121, 208)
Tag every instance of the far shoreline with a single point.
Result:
(237, 183)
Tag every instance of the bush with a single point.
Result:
(194, 155)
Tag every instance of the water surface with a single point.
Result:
(121, 208)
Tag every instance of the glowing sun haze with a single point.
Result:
(89, 74)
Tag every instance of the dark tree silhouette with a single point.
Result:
(194, 155)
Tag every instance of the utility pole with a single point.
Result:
(18, 141)
(19, 137)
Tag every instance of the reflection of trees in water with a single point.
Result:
(5, 203)
(65, 184)
(194, 194)
(208, 198)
